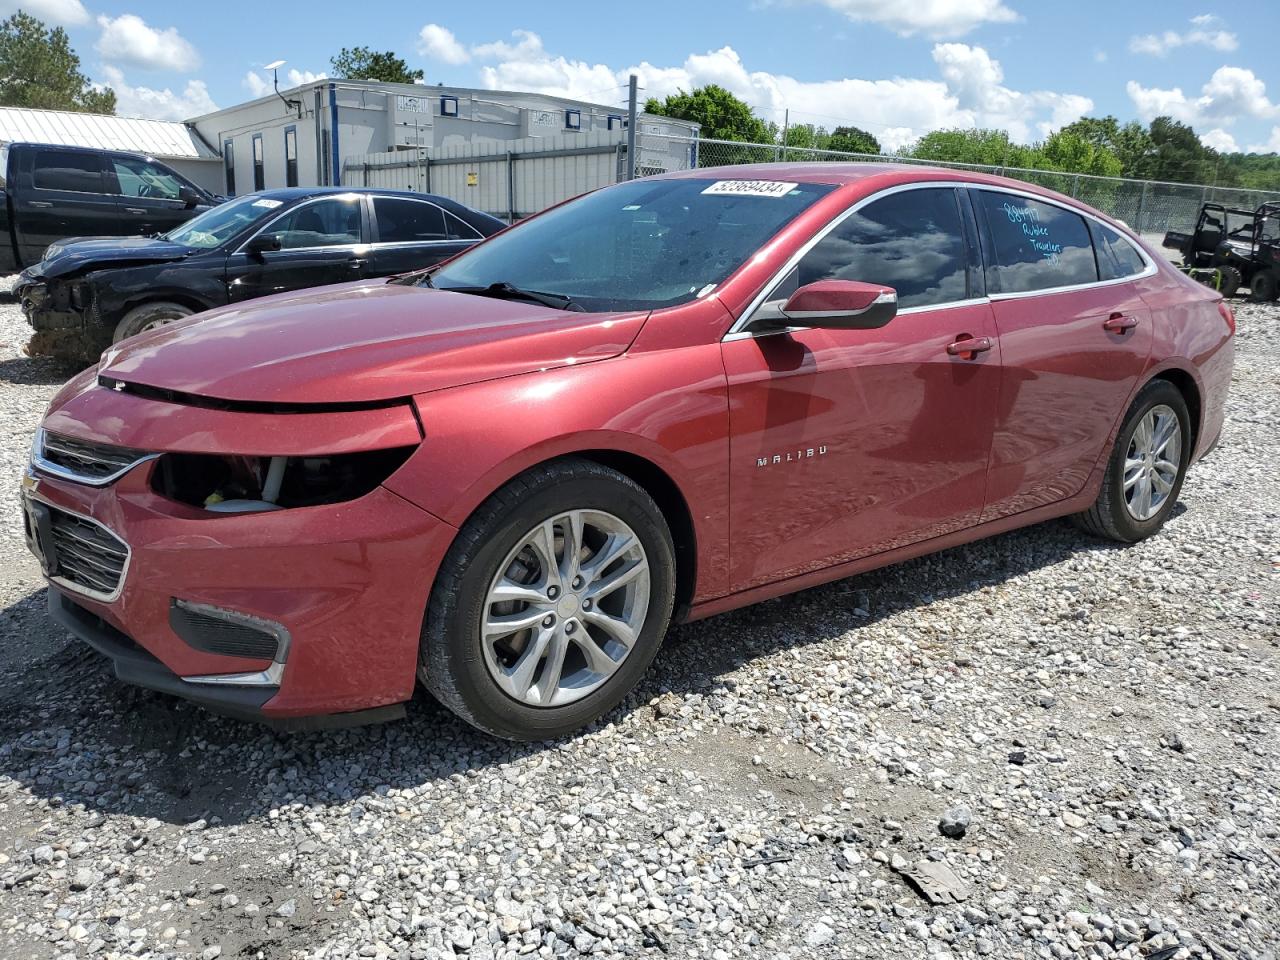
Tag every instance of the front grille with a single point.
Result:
(86, 555)
(85, 459)
(216, 632)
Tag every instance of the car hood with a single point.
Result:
(362, 342)
(86, 253)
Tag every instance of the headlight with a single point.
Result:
(237, 484)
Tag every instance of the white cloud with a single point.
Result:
(128, 39)
(439, 43)
(527, 46)
(935, 18)
(970, 90)
(60, 13)
(1204, 32)
(261, 84)
(153, 104)
(1218, 139)
(1271, 146)
(1230, 94)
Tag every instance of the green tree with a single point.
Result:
(853, 140)
(1073, 153)
(988, 147)
(361, 63)
(807, 136)
(1179, 155)
(722, 115)
(39, 69)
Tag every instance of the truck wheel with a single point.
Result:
(1264, 286)
(551, 602)
(149, 316)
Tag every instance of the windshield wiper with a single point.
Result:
(509, 291)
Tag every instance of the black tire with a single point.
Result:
(1265, 286)
(451, 663)
(148, 315)
(1230, 281)
(1109, 516)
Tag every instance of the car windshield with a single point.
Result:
(637, 246)
(222, 222)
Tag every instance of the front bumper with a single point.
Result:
(65, 317)
(134, 665)
(348, 582)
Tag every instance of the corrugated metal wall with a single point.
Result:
(507, 179)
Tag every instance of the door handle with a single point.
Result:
(134, 210)
(1119, 323)
(356, 261)
(969, 347)
(41, 203)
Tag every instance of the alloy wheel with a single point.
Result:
(565, 608)
(1152, 462)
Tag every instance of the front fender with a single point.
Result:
(667, 407)
(196, 285)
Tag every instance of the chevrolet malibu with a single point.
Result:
(654, 403)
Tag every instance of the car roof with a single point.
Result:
(291, 193)
(875, 177)
(886, 174)
(81, 148)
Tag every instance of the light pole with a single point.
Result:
(274, 67)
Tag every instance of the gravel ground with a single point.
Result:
(1079, 741)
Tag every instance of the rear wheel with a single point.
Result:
(551, 603)
(1146, 467)
(149, 316)
(1265, 286)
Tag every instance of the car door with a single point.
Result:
(1072, 344)
(409, 234)
(322, 240)
(846, 443)
(65, 196)
(151, 198)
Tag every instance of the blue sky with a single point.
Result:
(895, 67)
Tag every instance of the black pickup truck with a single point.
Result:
(53, 192)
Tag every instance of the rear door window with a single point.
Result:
(402, 220)
(1117, 257)
(67, 170)
(460, 229)
(1037, 246)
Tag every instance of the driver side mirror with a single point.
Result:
(188, 196)
(263, 243)
(835, 305)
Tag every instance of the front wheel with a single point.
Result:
(1146, 468)
(1229, 281)
(551, 603)
(149, 316)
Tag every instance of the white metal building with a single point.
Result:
(177, 144)
(308, 135)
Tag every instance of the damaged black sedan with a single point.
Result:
(88, 293)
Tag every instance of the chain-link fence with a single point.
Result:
(1149, 207)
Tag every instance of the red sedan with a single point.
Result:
(654, 403)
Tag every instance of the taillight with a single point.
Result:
(1228, 316)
